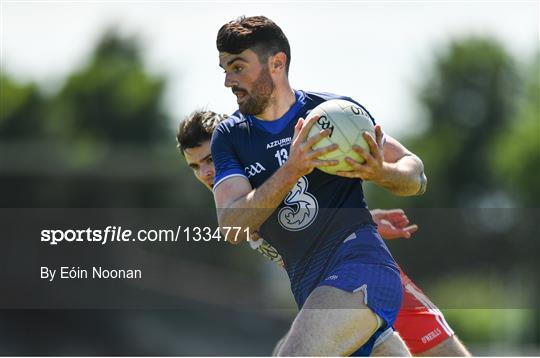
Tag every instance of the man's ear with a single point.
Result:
(278, 62)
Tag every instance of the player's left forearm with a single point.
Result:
(405, 177)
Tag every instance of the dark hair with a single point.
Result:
(258, 33)
(197, 128)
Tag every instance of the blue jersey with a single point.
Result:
(321, 209)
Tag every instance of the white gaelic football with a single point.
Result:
(347, 121)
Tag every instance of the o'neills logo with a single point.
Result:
(280, 142)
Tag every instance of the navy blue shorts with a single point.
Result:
(362, 262)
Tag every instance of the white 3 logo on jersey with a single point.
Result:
(301, 210)
(254, 169)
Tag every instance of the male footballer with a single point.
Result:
(344, 280)
(419, 321)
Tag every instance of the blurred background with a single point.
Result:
(91, 94)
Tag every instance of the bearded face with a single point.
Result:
(249, 79)
(257, 99)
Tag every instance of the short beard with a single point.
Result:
(261, 94)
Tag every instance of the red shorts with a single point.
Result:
(419, 322)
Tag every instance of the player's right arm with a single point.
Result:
(240, 205)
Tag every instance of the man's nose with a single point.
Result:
(229, 80)
(207, 171)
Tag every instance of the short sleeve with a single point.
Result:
(224, 155)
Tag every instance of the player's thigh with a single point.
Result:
(451, 347)
(393, 346)
(332, 322)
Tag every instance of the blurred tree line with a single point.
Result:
(104, 140)
(478, 235)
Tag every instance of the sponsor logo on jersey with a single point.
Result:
(254, 169)
(280, 142)
(301, 207)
